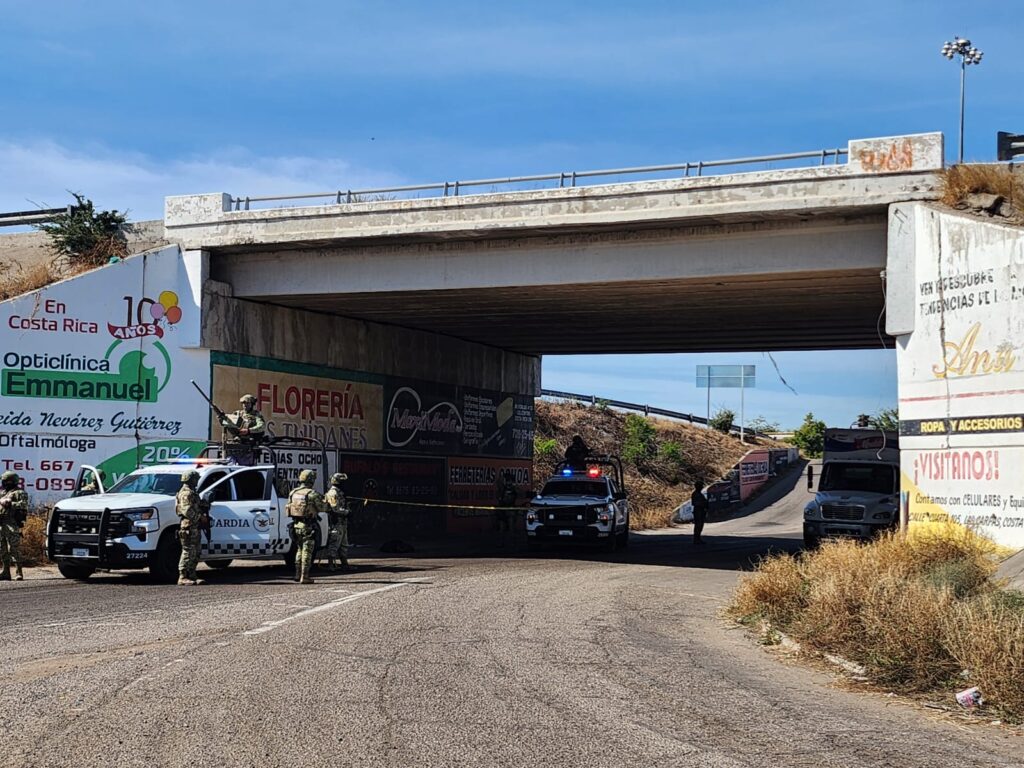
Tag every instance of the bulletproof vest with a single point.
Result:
(299, 505)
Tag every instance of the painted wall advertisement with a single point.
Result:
(398, 440)
(962, 379)
(461, 421)
(341, 409)
(755, 469)
(96, 370)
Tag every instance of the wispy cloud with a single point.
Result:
(41, 173)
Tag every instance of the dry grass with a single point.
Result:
(33, 540)
(986, 636)
(658, 485)
(903, 624)
(959, 181)
(774, 592)
(15, 281)
(913, 610)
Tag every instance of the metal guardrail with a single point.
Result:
(564, 178)
(38, 216)
(646, 410)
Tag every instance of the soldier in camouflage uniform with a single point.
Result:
(337, 516)
(13, 511)
(192, 510)
(244, 431)
(93, 486)
(304, 508)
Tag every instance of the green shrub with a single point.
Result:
(87, 236)
(723, 420)
(671, 452)
(640, 444)
(545, 448)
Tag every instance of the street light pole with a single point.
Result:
(968, 55)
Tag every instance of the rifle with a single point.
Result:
(221, 416)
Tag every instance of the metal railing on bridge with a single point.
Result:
(646, 410)
(563, 179)
(39, 216)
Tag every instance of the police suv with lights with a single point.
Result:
(133, 524)
(581, 504)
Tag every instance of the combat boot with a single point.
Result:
(184, 581)
(196, 582)
(331, 566)
(5, 575)
(306, 579)
(298, 571)
(18, 575)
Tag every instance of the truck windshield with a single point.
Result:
(166, 484)
(575, 488)
(869, 478)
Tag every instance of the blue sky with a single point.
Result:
(129, 102)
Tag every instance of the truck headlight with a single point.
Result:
(882, 515)
(138, 515)
(531, 516)
(810, 511)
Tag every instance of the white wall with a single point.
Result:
(96, 369)
(960, 310)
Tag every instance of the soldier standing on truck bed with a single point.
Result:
(337, 517)
(576, 454)
(244, 430)
(192, 510)
(13, 512)
(304, 508)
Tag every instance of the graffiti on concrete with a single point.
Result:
(898, 156)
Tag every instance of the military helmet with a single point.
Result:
(8, 476)
(338, 478)
(307, 476)
(247, 399)
(189, 477)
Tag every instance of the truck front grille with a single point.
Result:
(842, 512)
(568, 516)
(77, 522)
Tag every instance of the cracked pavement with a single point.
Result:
(566, 659)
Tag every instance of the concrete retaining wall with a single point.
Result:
(27, 249)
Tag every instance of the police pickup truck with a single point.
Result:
(583, 503)
(133, 524)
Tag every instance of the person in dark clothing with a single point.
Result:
(699, 502)
(577, 453)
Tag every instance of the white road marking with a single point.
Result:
(270, 625)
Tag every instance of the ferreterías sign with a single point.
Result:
(95, 366)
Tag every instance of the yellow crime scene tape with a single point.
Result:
(426, 504)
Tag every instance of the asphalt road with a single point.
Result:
(571, 659)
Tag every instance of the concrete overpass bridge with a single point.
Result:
(764, 260)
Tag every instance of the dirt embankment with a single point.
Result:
(661, 458)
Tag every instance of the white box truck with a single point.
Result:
(859, 487)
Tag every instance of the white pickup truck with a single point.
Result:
(133, 524)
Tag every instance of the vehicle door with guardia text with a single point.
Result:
(242, 515)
